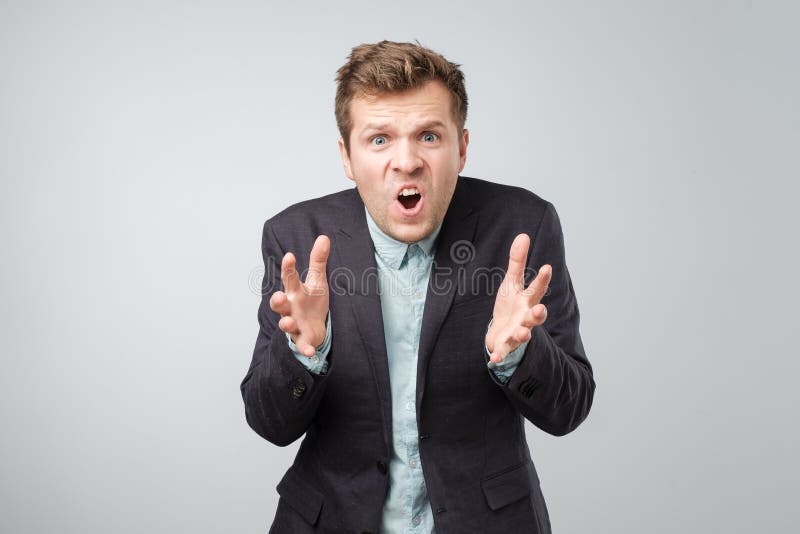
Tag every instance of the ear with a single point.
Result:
(462, 150)
(345, 159)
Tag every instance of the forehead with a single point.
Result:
(431, 101)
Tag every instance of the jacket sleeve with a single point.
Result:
(280, 395)
(553, 385)
(318, 363)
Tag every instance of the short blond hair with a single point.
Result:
(391, 67)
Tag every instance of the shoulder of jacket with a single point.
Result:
(322, 211)
(493, 196)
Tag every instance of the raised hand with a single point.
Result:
(303, 306)
(517, 309)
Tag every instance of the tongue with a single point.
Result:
(409, 201)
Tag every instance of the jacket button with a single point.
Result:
(382, 467)
(441, 510)
(298, 389)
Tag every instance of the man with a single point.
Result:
(407, 356)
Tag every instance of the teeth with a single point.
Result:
(409, 192)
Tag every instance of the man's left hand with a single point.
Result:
(517, 309)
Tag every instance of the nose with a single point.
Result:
(406, 159)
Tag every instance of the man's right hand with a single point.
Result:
(303, 306)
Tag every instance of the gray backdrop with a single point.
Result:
(144, 144)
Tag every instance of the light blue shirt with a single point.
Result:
(403, 272)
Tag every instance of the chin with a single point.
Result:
(412, 234)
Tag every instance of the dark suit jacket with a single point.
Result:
(477, 466)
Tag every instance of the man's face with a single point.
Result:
(405, 143)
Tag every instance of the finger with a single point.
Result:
(538, 287)
(289, 276)
(517, 256)
(534, 316)
(540, 314)
(289, 325)
(308, 350)
(520, 335)
(500, 352)
(279, 303)
(318, 259)
(529, 318)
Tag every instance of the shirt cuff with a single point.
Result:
(318, 363)
(506, 368)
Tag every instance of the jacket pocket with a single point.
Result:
(304, 498)
(507, 486)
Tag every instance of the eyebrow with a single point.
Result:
(378, 126)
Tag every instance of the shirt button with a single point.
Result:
(415, 521)
(412, 463)
(418, 294)
(410, 406)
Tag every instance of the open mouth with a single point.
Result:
(409, 198)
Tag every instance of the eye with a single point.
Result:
(430, 137)
(379, 140)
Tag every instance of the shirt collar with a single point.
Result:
(393, 251)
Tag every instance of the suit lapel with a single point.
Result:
(454, 248)
(357, 280)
